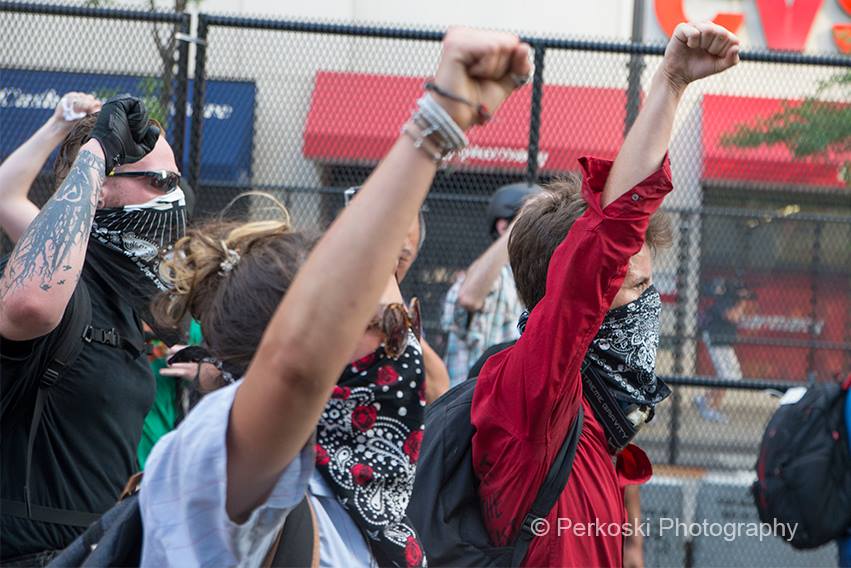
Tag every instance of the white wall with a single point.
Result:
(597, 18)
(600, 18)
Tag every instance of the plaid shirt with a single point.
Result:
(470, 333)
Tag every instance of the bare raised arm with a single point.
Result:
(481, 275)
(45, 265)
(316, 328)
(695, 51)
(19, 170)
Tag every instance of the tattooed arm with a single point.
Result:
(45, 265)
(21, 168)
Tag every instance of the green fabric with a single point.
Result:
(195, 333)
(163, 415)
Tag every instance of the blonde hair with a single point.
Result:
(230, 276)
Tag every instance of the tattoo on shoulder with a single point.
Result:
(61, 226)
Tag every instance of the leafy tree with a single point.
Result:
(815, 127)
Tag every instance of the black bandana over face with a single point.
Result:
(368, 443)
(127, 244)
(618, 373)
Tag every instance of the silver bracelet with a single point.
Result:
(434, 131)
(422, 142)
(450, 134)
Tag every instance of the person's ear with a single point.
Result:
(105, 192)
(502, 226)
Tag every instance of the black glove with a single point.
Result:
(123, 131)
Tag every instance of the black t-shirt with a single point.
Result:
(721, 330)
(85, 448)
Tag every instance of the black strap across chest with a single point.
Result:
(74, 336)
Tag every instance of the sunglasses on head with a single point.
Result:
(161, 180)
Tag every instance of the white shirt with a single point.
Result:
(183, 496)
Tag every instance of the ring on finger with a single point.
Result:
(520, 80)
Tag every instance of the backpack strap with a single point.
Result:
(550, 490)
(68, 348)
(297, 543)
(112, 338)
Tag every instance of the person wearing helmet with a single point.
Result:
(482, 307)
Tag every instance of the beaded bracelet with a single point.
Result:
(433, 130)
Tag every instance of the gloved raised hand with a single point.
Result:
(123, 131)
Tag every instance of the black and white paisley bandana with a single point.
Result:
(368, 444)
(127, 244)
(618, 373)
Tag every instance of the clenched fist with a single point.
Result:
(123, 131)
(481, 66)
(697, 51)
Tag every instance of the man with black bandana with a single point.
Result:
(582, 262)
(98, 240)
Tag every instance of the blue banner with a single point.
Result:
(27, 99)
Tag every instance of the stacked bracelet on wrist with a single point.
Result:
(433, 130)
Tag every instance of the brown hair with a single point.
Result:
(233, 302)
(542, 225)
(74, 140)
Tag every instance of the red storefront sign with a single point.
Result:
(785, 25)
(355, 118)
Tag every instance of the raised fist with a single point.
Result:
(123, 131)
(697, 51)
(481, 66)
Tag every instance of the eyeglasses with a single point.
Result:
(161, 180)
(394, 321)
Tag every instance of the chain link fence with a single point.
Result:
(757, 286)
(50, 49)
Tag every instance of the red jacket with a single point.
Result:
(528, 396)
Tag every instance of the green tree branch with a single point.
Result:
(815, 127)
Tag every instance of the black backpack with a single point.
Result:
(804, 468)
(445, 507)
(116, 538)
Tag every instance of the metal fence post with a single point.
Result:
(636, 67)
(535, 115)
(815, 261)
(198, 93)
(679, 329)
(181, 90)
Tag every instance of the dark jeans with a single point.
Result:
(37, 559)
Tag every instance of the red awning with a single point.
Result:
(355, 117)
(772, 164)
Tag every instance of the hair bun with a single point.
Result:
(207, 254)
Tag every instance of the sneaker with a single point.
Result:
(707, 412)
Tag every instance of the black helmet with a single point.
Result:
(507, 201)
